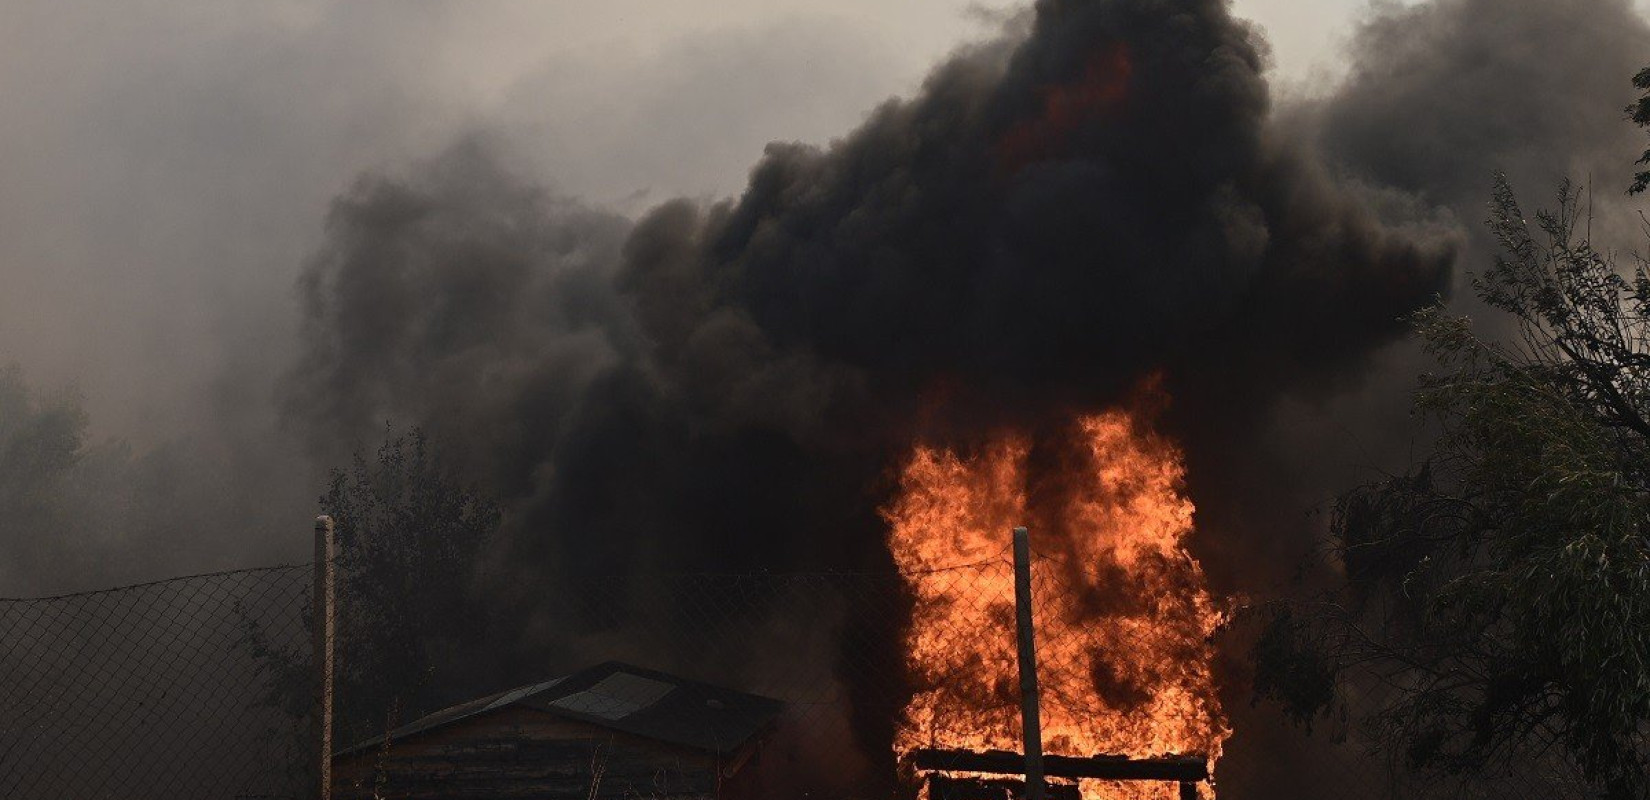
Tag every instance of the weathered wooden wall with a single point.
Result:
(516, 753)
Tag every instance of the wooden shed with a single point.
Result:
(611, 731)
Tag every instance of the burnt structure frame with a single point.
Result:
(1033, 766)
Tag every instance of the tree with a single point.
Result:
(409, 534)
(1639, 113)
(1507, 579)
(78, 511)
(42, 441)
(70, 509)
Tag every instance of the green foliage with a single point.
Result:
(1509, 579)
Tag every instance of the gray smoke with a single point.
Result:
(1438, 97)
(165, 165)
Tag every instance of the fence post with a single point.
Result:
(1030, 721)
(326, 550)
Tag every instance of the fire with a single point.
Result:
(1123, 613)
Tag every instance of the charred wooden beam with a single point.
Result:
(1030, 715)
(1183, 769)
(941, 787)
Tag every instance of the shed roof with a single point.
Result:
(625, 698)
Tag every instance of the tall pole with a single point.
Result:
(1030, 721)
(326, 550)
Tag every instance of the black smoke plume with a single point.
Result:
(1100, 195)
(1050, 219)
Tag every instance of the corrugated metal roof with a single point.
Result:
(616, 696)
(625, 698)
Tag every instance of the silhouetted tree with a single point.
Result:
(1508, 579)
(41, 442)
(409, 534)
(1639, 112)
(76, 513)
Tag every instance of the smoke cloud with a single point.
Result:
(1103, 192)
(1100, 194)
(1058, 213)
(166, 165)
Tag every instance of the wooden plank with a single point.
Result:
(1031, 725)
(324, 602)
(1181, 769)
(941, 787)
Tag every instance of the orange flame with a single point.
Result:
(1123, 612)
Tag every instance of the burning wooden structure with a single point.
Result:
(943, 784)
(611, 731)
(1123, 661)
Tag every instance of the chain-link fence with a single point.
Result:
(153, 691)
(169, 690)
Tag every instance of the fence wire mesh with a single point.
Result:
(152, 691)
(165, 691)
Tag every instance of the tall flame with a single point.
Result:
(1122, 611)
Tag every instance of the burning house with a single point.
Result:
(613, 730)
